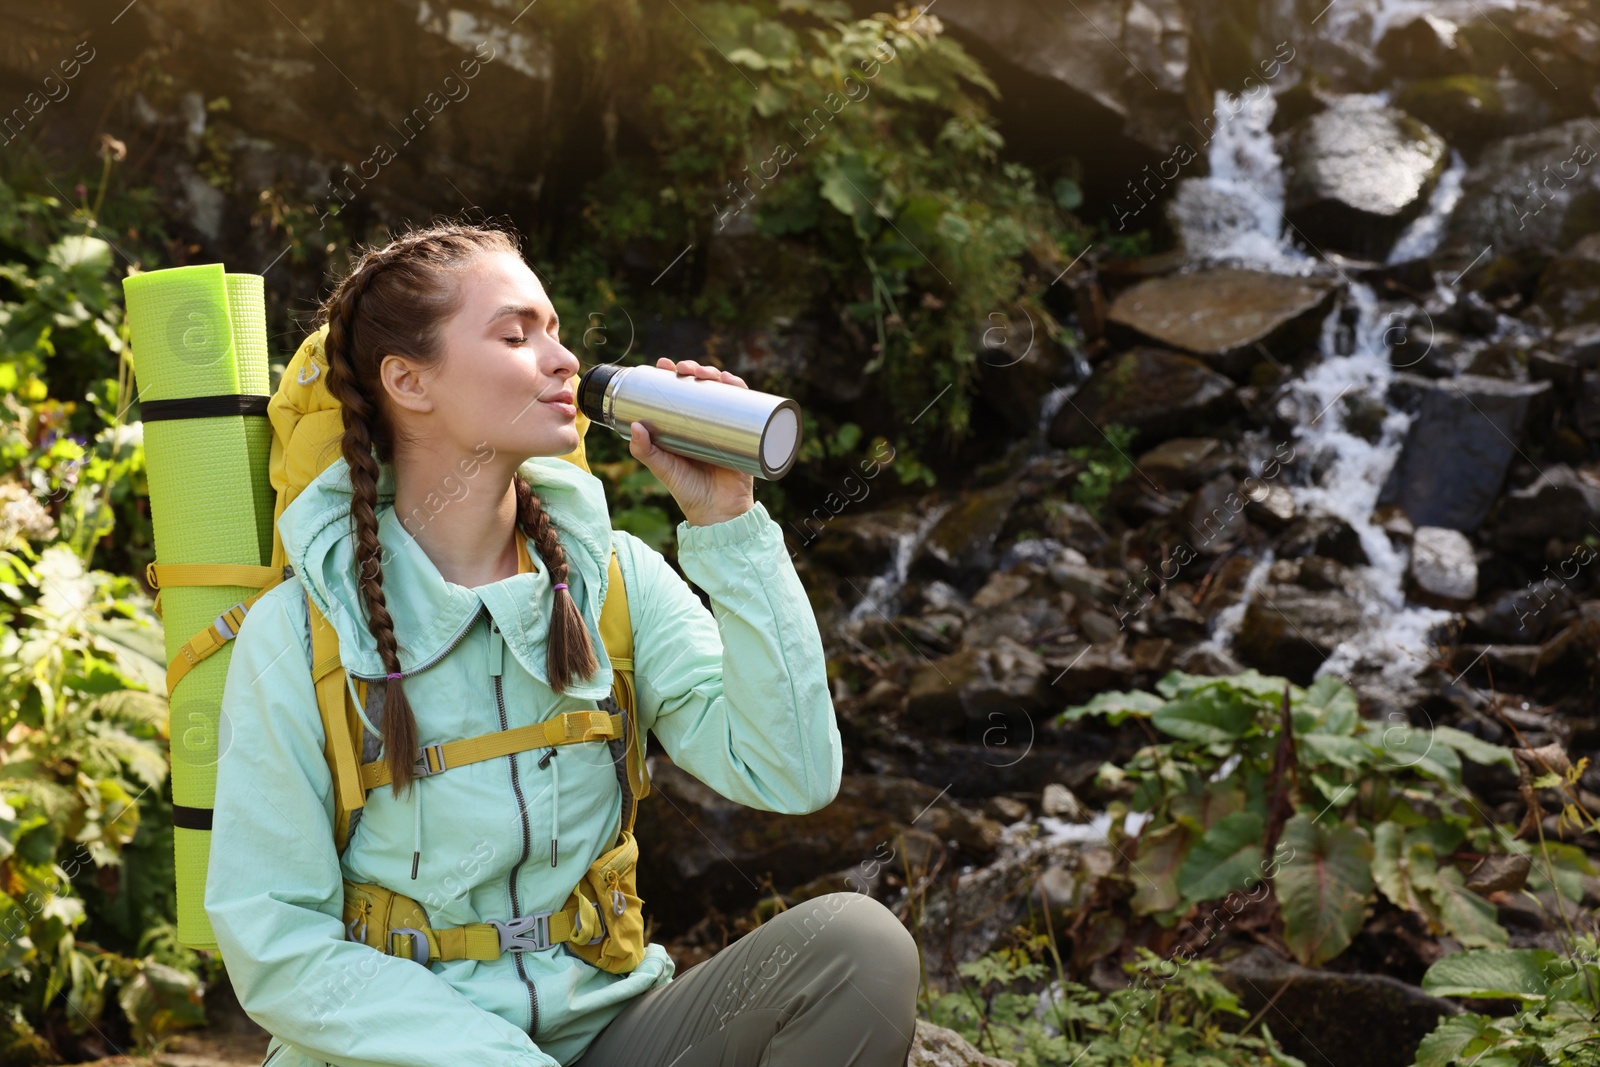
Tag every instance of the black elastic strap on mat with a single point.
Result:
(204, 407)
(191, 818)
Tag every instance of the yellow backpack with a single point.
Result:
(602, 920)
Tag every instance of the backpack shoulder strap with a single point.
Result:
(341, 726)
(616, 631)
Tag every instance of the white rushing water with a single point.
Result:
(883, 591)
(1235, 215)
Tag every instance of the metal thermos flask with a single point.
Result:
(728, 425)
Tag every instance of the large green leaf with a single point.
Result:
(1323, 887)
(1451, 1039)
(1474, 748)
(1330, 707)
(1155, 869)
(1401, 868)
(1223, 859)
(1210, 715)
(1402, 746)
(1522, 973)
(1464, 913)
(1116, 706)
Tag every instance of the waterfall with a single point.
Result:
(1235, 215)
(883, 590)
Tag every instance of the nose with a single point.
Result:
(564, 364)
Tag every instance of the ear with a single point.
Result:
(404, 383)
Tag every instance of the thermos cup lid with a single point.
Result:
(592, 390)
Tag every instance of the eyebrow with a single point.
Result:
(523, 310)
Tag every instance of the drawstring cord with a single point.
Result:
(416, 833)
(555, 794)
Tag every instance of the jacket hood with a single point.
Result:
(431, 613)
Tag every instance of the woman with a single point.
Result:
(480, 616)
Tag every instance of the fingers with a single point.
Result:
(699, 370)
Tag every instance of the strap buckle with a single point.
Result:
(228, 632)
(512, 932)
(425, 764)
(419, 943)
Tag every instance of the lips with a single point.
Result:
(563, 401)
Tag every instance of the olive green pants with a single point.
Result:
(831, 982)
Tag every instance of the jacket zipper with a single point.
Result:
(496, 662)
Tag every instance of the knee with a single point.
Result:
(857, 926)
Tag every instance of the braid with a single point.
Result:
(569, 652)
(399, 723)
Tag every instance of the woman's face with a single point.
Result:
(502, 374)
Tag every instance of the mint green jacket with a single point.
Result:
(737, 696)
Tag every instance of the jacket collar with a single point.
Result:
(430, 613)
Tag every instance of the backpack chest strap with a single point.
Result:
(565, 729)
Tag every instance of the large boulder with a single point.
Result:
(1560, 503)
(1427, 44)
(705, 851)
(1079, 61)
(1358, 173)
(1337, 1017)
(1536, 192)
(935, 1046)
(1459, 445)
(1569, 293)
(1161, 394)
(1471, 110)
(1291, 631)
(1227, 315)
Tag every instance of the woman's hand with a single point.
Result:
(706, 492)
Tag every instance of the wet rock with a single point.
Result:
(1569, 286)
(1458, 448)
(703, 850)
(1184, 462)
(1327, 536)
(1000, 589)
(1158, 393)
(1222, 314)
(1358, 173)
(1426, 45)
(1561, 503)
(1079, 67)
(1535, 191)
(1098, 627)
(1214, 516)
(961, 544)
(1058, 802)
(1335, 1014)
(1290, 631)
(935, 1046)
(1444, 570)
(1085, 582)
(1579, 344)
(1472, 110)
(967, 916)
(1005, 810)
(1586, 408)
(854, 543)
(1271, 506)
(970, 685)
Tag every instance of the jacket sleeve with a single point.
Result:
(740, 701)
(275, 890)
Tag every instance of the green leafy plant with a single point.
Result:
(1169, 1014)
(1106, 465)
(1557, 1024)
(1266, 785)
